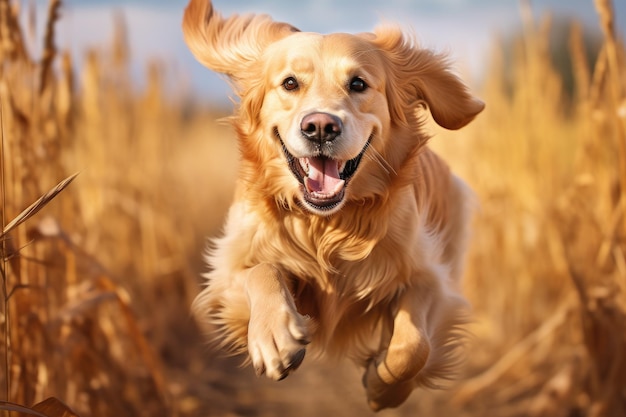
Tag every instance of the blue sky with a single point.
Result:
(464, 28)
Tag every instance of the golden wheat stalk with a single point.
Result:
(582, 76)
(49, 50)
(37, 205)
(616, 86)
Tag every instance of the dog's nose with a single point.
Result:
(321, 127)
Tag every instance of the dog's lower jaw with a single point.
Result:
(322, 211)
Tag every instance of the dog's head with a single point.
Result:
(319, 112)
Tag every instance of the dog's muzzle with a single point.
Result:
(323, 179)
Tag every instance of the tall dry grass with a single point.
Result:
(97, 284)
(95, 281)
(547, 271)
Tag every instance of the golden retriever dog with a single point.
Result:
(346, 234)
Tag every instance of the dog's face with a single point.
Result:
(324, 101)
(325, 119)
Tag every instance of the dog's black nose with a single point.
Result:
(321, 127)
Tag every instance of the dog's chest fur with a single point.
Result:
(344, 272)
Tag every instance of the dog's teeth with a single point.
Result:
(342, 166)
(304, 163)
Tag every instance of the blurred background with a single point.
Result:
(98, 275)
(465, 29)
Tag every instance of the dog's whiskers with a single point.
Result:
(373, 155)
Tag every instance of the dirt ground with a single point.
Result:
(206, 383)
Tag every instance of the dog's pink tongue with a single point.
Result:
(323, 177)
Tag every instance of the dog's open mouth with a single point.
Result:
(323, 179)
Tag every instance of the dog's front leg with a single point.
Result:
(389, 378)
(277, 333)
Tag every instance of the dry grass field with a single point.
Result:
(98, 275)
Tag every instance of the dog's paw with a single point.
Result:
(276, 340)
(382, 395)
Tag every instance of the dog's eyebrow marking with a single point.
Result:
(301, 64)
(360, 52)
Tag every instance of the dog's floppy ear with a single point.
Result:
(422, 75)
(230, 45)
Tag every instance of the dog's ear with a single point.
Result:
(421, 75)
(232, 45)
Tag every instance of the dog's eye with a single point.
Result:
(290, 84)
(357, 85)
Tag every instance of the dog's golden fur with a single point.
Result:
(362, 264)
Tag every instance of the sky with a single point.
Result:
(466, 29)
